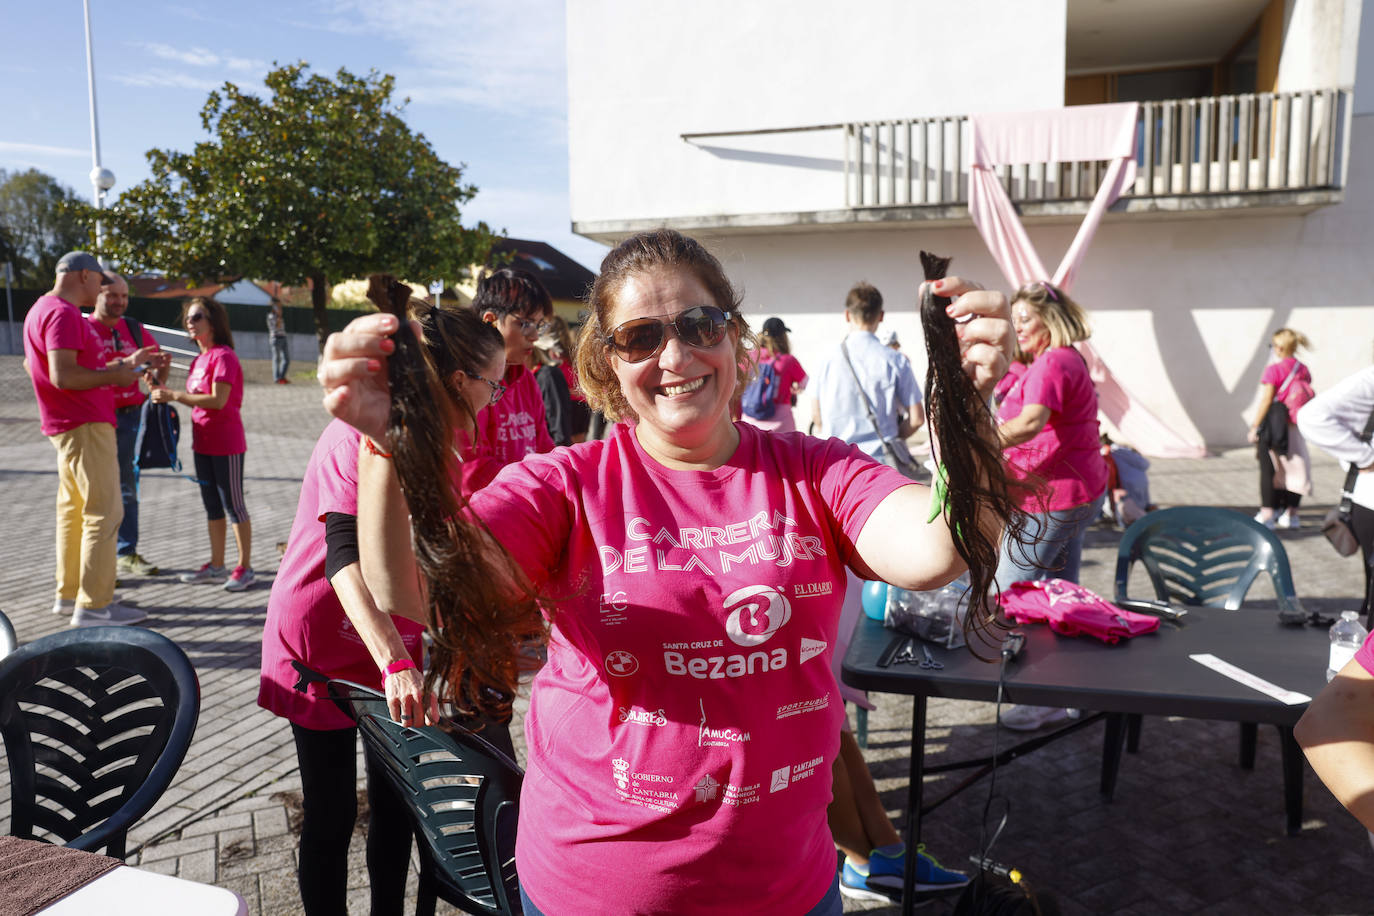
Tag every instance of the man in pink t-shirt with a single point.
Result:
(122, 337)
(517, 305)
(74, 384)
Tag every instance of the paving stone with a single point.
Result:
(198, 866)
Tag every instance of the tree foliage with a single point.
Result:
(321, 180)
(38, 224)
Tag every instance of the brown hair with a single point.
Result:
(774, 345)
(479, 626)
(219, 319)
(1064, 319)
(655, 250)
(970, 458)
(1288, 341)
(864, 303)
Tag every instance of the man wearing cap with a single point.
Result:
(75, 384)
(123, 337)
(880, 381)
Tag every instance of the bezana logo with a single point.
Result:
(751, 623)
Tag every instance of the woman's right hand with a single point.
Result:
(352, 372)
(407, 701)
(1253, 435)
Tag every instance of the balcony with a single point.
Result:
(1281, 152)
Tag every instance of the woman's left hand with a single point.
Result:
(407, 701)
(986, 339)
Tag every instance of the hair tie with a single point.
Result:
(1049, 290)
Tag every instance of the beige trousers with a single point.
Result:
(89, 510)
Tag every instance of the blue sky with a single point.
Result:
(486, 81)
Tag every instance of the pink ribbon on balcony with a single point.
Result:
(1083, 133)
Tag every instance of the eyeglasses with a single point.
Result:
(497, 389)
(701, 327)
(533, 328)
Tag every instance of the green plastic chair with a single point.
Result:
(463, 796)
(1207, 557)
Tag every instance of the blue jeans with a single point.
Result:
(1053, 545)
(831, 904)
(281, 358)
(126, 435)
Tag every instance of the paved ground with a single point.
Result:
(1188, 832)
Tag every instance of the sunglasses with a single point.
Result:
(196, 316)
(497, 389)
(701, 327)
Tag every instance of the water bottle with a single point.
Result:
(1346, 638)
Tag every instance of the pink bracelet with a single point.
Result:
(401, 664)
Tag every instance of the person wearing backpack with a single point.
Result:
(1285, 387)
(122, 336)
(767, 400)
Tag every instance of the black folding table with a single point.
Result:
(1150, 674)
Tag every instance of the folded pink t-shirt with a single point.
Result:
(1066, 454)
(217, 432)
(681, 734)
(54, 323)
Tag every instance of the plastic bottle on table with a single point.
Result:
(1346, 638)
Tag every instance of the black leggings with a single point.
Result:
(329, 784)
(1270, 496)
(221, 486)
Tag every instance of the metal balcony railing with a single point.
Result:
(1285, 141)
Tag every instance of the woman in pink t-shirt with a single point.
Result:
(214, 392)
(321, 615)
(1284, 477)
(775, 349)
(681, 734)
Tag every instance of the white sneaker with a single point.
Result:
(1289, 520)
(1266, 522)
(63, 607)
(1029, 718)
(113, 614)
(206, 573)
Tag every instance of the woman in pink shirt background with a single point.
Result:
(1284, 478)
(214, 392)
(680, 735)
(321, 614)
(775, 348)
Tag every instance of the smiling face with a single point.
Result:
(112, 302)
(681, 393)
(1031, 333)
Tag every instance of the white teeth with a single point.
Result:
(686, 388)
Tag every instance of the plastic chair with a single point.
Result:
(1208, 557)
(463, 795)
(9, 640)
(96, 723)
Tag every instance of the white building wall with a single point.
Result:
(642, 74)
(1319, 44)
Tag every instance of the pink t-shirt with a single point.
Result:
(789, 371)
(515, 425)
(133, 395)
(305, 621)
(1277, 373)
(54, 323)
(217, 432)
(1066, 454)
(1365, 654)
(681, 734)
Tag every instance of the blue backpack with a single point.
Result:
(761, 397)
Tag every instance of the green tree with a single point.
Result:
(38, 224)
(322, 180)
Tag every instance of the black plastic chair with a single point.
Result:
(463, 795)
(96, 723)
(9, 640)
(1207, 557)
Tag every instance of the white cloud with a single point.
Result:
(34, 149)
(493, 54)
(167, 79)
(202, 57)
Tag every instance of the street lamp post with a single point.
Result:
(102, 179)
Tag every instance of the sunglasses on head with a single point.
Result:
(702, 327)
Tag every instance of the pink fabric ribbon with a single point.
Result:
(1083, 133)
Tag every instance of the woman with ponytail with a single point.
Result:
(691, 570)
(321, 615)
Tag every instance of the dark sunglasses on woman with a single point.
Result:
(702, 327)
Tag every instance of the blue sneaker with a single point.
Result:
(885, 871)
(854, 884)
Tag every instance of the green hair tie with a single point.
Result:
(940, 486)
